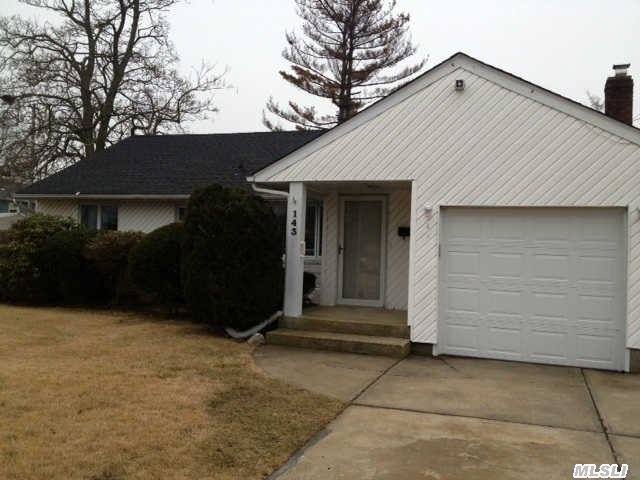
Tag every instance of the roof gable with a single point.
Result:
(432, 88)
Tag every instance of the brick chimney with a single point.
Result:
(618, 94)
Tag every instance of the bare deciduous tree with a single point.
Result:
(103, 70)
(353, 52)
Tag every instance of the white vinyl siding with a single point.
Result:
(397, 281)
(59, 208)
(133, 215)
(145, 216)
(500, 142)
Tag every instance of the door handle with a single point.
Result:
(340, 249)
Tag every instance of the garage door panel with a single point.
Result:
(463, 263)
(509, 265)
(545, 285)
(549, 305)
(463, 337)
(504, 302)
(550, 266)
(548, 344)
(596, 307)
(600, 289)
(599, 269)
(506, 226)
(594, 348)
(463, 299)
(504, 335)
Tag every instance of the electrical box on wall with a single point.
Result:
(404, 232)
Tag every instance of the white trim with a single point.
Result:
(383, 250)
(456, 62)
(294, 266)
(412, 253)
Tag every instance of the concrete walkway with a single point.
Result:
(453, 418)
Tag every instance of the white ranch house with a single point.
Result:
(484, 215)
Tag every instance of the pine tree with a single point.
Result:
(352, 53)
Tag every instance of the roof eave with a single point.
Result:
(40, 196)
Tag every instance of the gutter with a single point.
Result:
(38, 196)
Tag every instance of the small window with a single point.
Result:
(89, 216)
(313, 230)
(313, 226)
(181, 213)
(103, 217)
(108, 217)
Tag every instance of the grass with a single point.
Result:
(109, 396)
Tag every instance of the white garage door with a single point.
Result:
(543, 285)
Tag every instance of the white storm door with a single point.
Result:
(361, 251)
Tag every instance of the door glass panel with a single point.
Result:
(362, 249)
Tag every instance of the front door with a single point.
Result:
(361, 250)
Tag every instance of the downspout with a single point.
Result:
(268, 191)
(252, 331)
(233, 333)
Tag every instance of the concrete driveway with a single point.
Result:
(455, 418)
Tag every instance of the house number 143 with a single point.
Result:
(294, 223)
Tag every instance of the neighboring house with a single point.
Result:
(144, 182)
(502, 216)
(7, 203)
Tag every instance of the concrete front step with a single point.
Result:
(355, 327)
(340, 342)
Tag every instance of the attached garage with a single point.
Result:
(534, 284)
(523, 230)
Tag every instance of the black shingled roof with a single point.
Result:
(172, 164)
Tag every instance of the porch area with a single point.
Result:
(361, 233)
(353, 329)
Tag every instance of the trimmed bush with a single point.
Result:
(20, 271)
(154, 264)
(67, 275)
(231, 266)
(109, 250)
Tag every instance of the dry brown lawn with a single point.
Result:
(110, 396)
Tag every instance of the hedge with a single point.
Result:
(67, 275)
(231, 267)
(109, 251)
(154, 264)
(20, 271)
